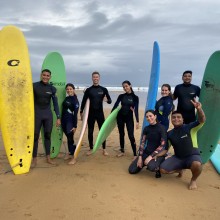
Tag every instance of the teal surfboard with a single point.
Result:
(215, 158)
(153, 83)
(209, 134)
(106, 129)
(54, 62)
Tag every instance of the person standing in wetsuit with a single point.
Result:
(70, 109)
(43, 93)
(155, 138)
(164, 106)
(183, 138)
(129, 104)
(96, 94)
(186, 92)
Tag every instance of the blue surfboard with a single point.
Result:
(153, 83)
(215, 158)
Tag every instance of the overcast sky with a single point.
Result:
(115, 37)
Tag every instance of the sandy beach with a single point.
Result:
(99, 187)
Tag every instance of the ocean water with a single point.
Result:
(114, 92)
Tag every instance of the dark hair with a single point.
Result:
(46, 70)
(128, 82)
(94, 73)
(70, 84)
(169, 88)
(187, 71)
(176, 112)
(151, 111)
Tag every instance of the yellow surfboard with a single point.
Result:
(16, 99)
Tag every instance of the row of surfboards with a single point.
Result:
(17, 106)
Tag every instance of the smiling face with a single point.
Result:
(95, 79)
(187, 78)
(70, 91)
(177, 119)
(45, 77)
(165, 91)
(126, 87)
(151, 118)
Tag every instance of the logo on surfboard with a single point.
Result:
(13, 62)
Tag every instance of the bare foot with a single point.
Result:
(121, 154)
(67, 156)
(50, 161)
(34, 162)
(89, 152)
(72, 162)
(105, 153)
(192, 185)
(180, 174)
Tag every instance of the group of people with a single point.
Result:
(156, 139)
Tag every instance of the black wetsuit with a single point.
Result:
(69, 120)
(185, 93)
(184, 142)
(43, 115)
(155, 138)
(129, 103)
(96, 95)
(163, 109)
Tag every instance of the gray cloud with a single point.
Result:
(116, 37)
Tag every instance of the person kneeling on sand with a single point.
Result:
(155, 138)
(183, 138)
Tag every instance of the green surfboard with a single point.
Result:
(106, 129)
(209, 134)
(54, 62)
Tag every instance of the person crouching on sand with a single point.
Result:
(184, 143)
(155, 138)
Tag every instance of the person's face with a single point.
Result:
(70, 91)
(45, 77)
(151, 118)
(126, 88)
(95, 79)
(177, 120)
(187, 78)
(165, 91)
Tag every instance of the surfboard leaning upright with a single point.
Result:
(153, 83)
(83, 129)
(16, 99)
(209, 135)
(54, 62)
(106, 129)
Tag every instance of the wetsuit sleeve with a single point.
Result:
(76, 109)
(168, 106)
(175, 93)
(163, 142)
(136, 106)
(55, 102)
(117, 103)
(198, 92)
(85, 97)
(109, 100)
(144, 138)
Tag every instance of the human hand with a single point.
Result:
(196, 104)
(58, 122)
(105, 99)
(140, 162)
(73, 130)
